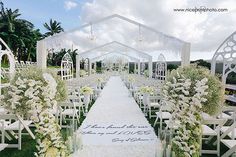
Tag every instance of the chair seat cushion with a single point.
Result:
(69, 112)
(207, 131)
(164, 115)
(229, 143)
(3, 146)
(15, 125)
(225, 116)
(225, 128)
(154, 104)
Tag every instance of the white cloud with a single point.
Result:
(205, 31)
(70, 5)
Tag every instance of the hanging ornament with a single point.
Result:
(140, 36)
(91, 36)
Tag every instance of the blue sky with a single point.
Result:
(41, 11)
(205, 31)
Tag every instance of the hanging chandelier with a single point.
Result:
(140, 36)
(91, 36)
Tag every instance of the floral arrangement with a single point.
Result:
(215, 96)
(131, 79)
(93, 71)
(32, 92)
(146, 89)
(191, 89)
(146, 73)
(86, 90)
(99, 80)
(82, 73)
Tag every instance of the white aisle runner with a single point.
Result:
(116, 127)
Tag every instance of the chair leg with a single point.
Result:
(161, 123)
(150, 112)
(61, 120)
(19, 138)
(218, 144)
(229, 152)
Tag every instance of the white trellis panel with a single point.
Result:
(227, 53)
(67, 67)
(161, 68)
(5, 50)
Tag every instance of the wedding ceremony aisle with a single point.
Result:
(116, 127)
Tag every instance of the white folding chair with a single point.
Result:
(71, 108)
(164, 113)
(3, 145)
(229, 131)
(154, 102)
(9, 126)
(208, 133)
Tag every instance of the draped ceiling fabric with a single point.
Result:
(119, 29)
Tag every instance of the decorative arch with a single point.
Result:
(226, 52)
(67, 67)
(161, 68)
(5, 50)
(132, 52)
(79, 35)
(136, 60)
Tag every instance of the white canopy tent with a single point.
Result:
(114, 29)
(109, 47)
(130, 58)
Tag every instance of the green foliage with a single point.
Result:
(53, 27)
(19, 34)
(215, 96)
(54, 59)
(202, 63)
(172, 66)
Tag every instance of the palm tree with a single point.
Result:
(18, 33)
(53, 27)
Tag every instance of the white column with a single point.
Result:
(213, 65)
(139, 67)
(77, 66)
(135, 68)
(95, 66)
(150, 67)
(90, 67)
(185, 54)
(41, 54)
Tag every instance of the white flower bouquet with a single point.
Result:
(82, 73)
(146, 89)
(86, 90)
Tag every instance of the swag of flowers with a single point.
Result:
(32, 94)
(191, 90)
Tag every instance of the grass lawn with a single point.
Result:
(4, 65)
